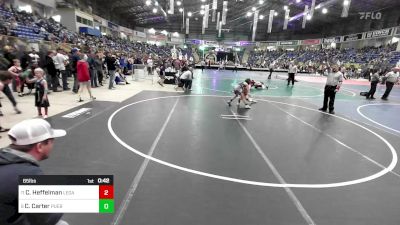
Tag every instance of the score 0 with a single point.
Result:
(106, 199)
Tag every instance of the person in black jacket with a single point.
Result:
(51, 71)
(111, 62)
(75, 57)
(32, 141)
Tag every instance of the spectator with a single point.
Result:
(41, 99)
(5, 80)
(60, 60)
(111, 67)
(83, 77)
(98, 65)
(16, 71)
(34, 57)
(74, 61)
(31, 141)
(92, 70)
(51, 71)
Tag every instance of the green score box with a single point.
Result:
(106, 206)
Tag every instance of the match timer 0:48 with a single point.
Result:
(66, 194)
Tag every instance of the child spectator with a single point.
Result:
(41, 99)
(16, 71)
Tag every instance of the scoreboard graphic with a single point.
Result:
(66, 194)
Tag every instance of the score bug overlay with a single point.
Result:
(66, 194)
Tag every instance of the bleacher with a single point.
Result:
(31, 33)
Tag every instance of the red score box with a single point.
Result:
(106, 192)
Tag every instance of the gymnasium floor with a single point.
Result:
(190, 159)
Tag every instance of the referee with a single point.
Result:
(333, 82)
(292, 72)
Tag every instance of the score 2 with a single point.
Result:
(106, 192)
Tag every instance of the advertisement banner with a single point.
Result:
(397, 31)
(177, 40)
(246, 43)
(353, 37)
(331, 40)
(139, 34)
(194, 41)
(379, 33)
(286, 43)
(210, 43)
(157, 37)
(311, 42)
(268, 43)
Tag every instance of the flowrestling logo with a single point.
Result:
(370, 15)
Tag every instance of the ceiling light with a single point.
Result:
(202, 6)
(156, 3)
(308, 17)
(202, 12)
(178, 3)
(275, 13)
(253, 8)
(285, 7)
(180, 9)
(226, 10)
(261, 2)
(298, 1)
(148, 2)
(261, 17)
(346, 3)
(324, 11)
(175, 34)
(203, 0)
(248, 14)
(318, 6)
(189, 14)
(151, 31)
(164, 32)
(155, 10)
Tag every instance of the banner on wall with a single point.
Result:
(139, 34)
(379, 33)
(397, 31)
(157, 37)
(211, 43)
(255, 23)
(268, 43)
(271, 18)
(246, 43)
(287, 43)
(187, 26)
(194, 41)
(177, 40)
(331, 40)
(286, 21)
(353, 37)
(311, 42)
(224, 11)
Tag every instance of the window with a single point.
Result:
(84, 21)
